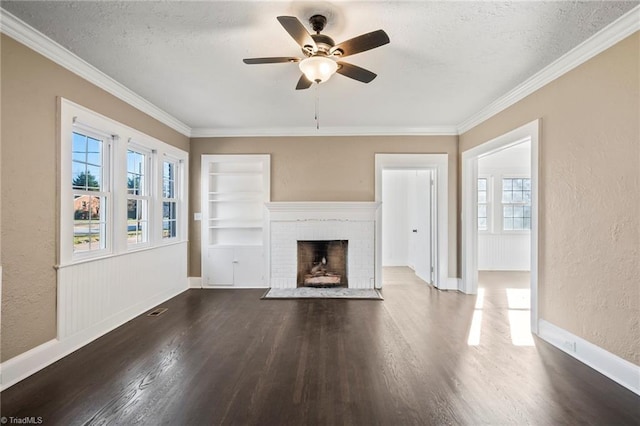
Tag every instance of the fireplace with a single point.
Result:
(322, 263)
(348, 223)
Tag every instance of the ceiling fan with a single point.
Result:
(322, 54)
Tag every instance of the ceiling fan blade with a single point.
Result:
(303, 83)
(296, 30)
(274, 60)
(355, 72)
(362, 43)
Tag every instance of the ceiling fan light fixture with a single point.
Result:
(318, 68)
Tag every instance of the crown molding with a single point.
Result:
(618, 30)
(604, 39)
(35, 40)
(324, 131)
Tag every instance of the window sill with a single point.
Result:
(124, 253)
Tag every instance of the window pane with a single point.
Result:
(507, 184)
(526, 197)
(482, 196)
(135, 162)
(168, 180)
(168, 210)
(135, 184)
(527, 223)
(508, 223)
(517, 184)
(507, 196)
(507, 211)
(88, 228)
(92, 178)
(482, 184)
(518, 223)
(168, 228)
(79, 149)
(482, 210)
(526, 184)
(482, 223)
(517, 196)
(526, 211)
(94, 151)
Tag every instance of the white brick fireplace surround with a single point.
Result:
(290, 222)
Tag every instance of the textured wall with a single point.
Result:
(322, 169)
(30, 85)
(589, 258)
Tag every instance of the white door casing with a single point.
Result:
(529, 131)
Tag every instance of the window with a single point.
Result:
(483, 191)
(91, 196)
(138, 199)
(116, 196)
(169, 200)
(516, 204)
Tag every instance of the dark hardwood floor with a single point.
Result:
(227, 357)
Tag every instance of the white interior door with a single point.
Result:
(423, 225)
(412, 213)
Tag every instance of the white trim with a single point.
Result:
(469, 161)
(618, 30)
(195, 282)
(34, 360)
(35, 40)
(321, 210)
(612, 366)
(325, 131)
(438, 163)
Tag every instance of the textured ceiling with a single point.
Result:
(445, 62)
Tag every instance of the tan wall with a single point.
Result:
(322, 169)
(589, 271)
(30, 85)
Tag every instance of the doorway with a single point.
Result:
(472, 214)
(407, 221)
(433, 172)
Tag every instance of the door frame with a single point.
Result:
(438, 164)
(528, 132)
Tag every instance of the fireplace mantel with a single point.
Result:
(290, 222)
(322, 210)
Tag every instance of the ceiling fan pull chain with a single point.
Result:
(317, 107)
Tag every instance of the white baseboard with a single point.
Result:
(195, 282)
(617, 369)
(24, 365)
(233, 287)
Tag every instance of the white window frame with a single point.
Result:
(147, 193)
(499, 201)
(105, 192)
(489, 203)
(177, 197)
(115, 174)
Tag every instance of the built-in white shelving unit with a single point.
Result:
(234, 190)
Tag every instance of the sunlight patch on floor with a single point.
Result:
(519, 302)
(476, 321)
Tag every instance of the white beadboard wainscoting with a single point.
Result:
(97, 296)
(92, 292)
(504, 252)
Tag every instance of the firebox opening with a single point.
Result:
(322, 263)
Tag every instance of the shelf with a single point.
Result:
(237, 219)
(235, 192)
(235, 174)
(235, 227)
(240, 200)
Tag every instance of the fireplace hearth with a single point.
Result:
(322, 263)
